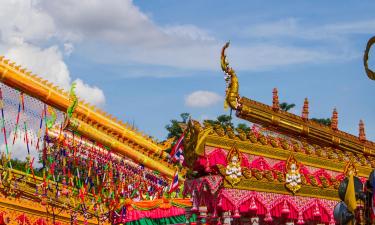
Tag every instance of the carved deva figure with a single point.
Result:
(293, 177)
(233, 171)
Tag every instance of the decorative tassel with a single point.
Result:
(285, 209)
(268, 217)
(236, 214)
(332, 221)
(220, 204)
(316, 212)
(253, 206)
(300, 219)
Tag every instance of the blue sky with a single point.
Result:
(148, 61)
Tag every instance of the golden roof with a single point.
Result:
(89, 120)
(288, 123)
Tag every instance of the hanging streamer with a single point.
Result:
(3, 124)
(18, 118)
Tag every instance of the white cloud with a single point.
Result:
(188, 31)
(294, 28)
(202, 99)
(68, 48)
(118, 32)
(22, 36)
(18, 150)
(261, 57)
(47, 63)
(22, 20)
(113, 20)
(91, 94)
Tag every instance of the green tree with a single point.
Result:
(174, 129)
(211, 122)
(286, 106)
(225, 120)
(243, 126)
(324, 121)
(185, 117)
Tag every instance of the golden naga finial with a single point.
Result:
(370, 73)
(334, 120)
(232, 96)
(362, 134)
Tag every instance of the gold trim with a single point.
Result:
(273, 187)
(281, 154)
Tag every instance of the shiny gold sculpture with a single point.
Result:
(292, 177)
(234, 172)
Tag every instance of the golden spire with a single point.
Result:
(334, 120)
(305, 110)
(362, 134)
(275, 100)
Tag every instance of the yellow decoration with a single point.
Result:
(233, 172)
(350, 200)
(293, 177)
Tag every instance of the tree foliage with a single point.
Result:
(174, 129)
(226, 121)
(323, 121)
(243, 126)
(286, 106)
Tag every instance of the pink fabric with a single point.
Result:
(213, 183)
(308, 213)
(244, 207)
(280, 166)
(218, 156)
(154, 214)
(242, 201)
(323, 173)
(260, 164)
(276, 211)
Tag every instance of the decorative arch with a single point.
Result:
(23, 220)
(40, 221)
(217, 156)
(316, 210)
(254, 200)
(323, 173)
(277, 208)
(280, 166)
(260, 163)
(2, 218)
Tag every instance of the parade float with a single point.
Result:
(82, 165)
(286, 169)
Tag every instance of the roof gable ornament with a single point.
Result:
(334, 119)
(305, 110)
(362, 134)
(275, 100)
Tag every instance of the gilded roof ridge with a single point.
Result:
(31, 84)
(289, 123)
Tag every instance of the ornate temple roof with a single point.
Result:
(89, 120)
(293, 125)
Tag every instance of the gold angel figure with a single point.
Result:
(293, 177)
(233, 172)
